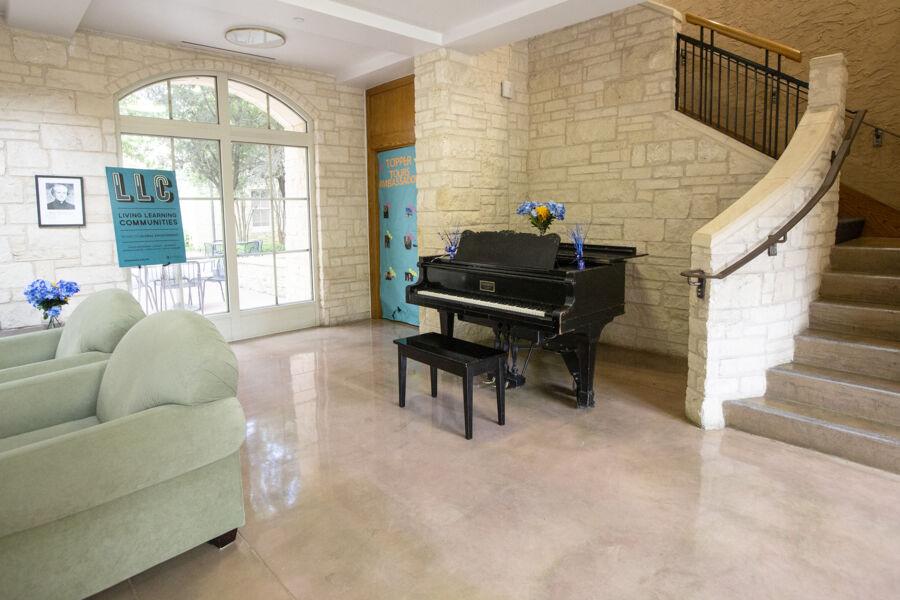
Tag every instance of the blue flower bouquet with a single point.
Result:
(542, 214)
(50, 298)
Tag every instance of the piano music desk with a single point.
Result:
(459, 357)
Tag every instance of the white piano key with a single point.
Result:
(485, 303)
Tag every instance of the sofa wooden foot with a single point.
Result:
(224, 539)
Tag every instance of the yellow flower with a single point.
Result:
(543, 213)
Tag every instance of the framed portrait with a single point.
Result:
(60, 201)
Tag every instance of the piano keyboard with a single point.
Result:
(522, 310)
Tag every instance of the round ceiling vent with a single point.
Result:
(255, 37)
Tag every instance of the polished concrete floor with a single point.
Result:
(348, 496)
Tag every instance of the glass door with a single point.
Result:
(242, 158)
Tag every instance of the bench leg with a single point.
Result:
(467, 404)
(501, 392)
(434, 382)
(401, 377)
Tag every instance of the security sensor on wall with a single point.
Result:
(506, 89)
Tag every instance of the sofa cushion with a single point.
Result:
(171, 357)
(49, 366)
(23, 439)
(99, 322)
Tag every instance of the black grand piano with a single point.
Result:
(531, 288)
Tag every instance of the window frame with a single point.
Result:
(226, 135)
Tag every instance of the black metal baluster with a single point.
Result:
(728, 97)
(765, 131)
(746, 80)
(702, 76)
(677, 67)
(755, 94)
(719, 95)
(777, 97)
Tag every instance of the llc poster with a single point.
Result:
(146, 216)
(399, 248)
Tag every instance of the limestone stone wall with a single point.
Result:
(748, 321)
(867, 33)
(57, 116)
(605, 139)
(471, 143)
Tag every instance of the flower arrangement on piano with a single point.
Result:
(450, 238)
(50, 298)
(577, 235)
(542, 214)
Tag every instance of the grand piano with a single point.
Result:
(529, 288)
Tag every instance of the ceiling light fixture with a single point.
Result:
(255, 37)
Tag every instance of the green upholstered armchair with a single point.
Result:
(90, 335)
(109, 468)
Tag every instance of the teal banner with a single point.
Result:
(146, 216)
(399, 246)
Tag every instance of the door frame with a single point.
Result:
(402, 137)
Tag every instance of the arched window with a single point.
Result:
(242, 159)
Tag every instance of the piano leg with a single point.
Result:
(504, 341)
(447, 321)
(580, 361)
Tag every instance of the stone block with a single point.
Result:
(650, 230)
(590, 130)
(26, 155)
(69, 137)
(39, 51)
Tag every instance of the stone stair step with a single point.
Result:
(849, 353)
(862, 441)
(859, 318)
(849, 394)
(861, 287)
(867, 255)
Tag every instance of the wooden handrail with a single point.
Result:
(744, 36)
(698, 277)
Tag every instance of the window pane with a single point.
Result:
(294, 277)
(289, 172)
(256, 280)
(194, 99)
(291, 224)
(253, 225)
(198, 166)
(204, 272)
(283, 118)
(251, 167)
(146, 152)
(248, 106)
(149, 101)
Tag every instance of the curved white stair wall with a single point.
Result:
(748, 321)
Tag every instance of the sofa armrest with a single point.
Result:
(27, 348)
(49, 399)
(54, 478)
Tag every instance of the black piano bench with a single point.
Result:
(459, 357)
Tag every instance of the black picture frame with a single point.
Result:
(51, 205)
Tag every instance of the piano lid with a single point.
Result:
(508, 249)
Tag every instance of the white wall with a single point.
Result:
(57, 116)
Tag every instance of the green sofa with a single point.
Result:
(90, 335)
(109, 468)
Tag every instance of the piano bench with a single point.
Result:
(459, 357)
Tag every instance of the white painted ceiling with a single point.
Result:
(361, 42)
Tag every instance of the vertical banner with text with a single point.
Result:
(146, 216)
(399, 248)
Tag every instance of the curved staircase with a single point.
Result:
(841, 395)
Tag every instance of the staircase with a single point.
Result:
(841, 395)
